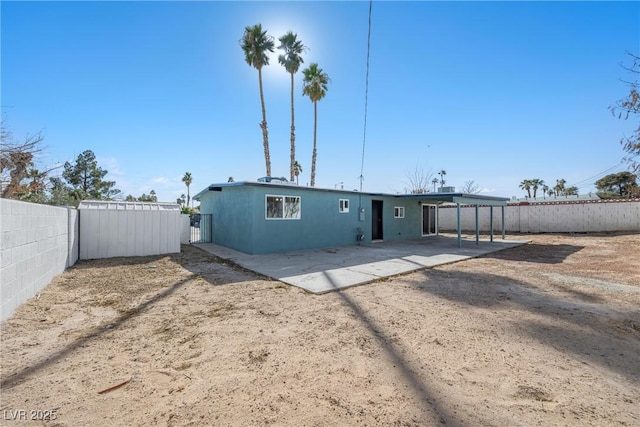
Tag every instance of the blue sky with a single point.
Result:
(494, 92)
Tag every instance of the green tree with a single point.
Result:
(559, 187)
(60, 194)
(535, 184)
(315, 85)
(545, 190)
(297, 170)
(526, 186)
(616, 185)
(442, 173)
(571, 191)
(291, 61)
(86, 179)
(630, 107)
(187, 179)
(256, 44)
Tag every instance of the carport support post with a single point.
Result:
(477, 227)
(458, 225)
(491, 222)
(502, 222)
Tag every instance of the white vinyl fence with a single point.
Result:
(111, 229)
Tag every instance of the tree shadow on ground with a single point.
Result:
(200, 264)
(536, 252)
(590, 329)
(439, 414)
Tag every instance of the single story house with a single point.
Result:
(270, 217)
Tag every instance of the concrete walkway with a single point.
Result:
(324, 270)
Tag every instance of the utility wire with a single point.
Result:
(366, 98)
(598, 175)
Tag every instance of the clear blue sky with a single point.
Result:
(493, 92)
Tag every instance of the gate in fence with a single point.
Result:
(201, 229)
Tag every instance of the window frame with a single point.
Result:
(398, 212)
(285, 202)
(343, 205)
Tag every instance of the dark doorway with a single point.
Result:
(376, 220)
(428, 220)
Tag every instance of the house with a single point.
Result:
(268, 217)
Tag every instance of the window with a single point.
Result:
(398, 212)
(282, 207)
(343, 206)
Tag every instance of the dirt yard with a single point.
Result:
(544, 334)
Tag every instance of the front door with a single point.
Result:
(428, 220)
(376, 220)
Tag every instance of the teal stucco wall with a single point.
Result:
(239, 218)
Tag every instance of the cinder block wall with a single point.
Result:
(589, 217)
(34, 248)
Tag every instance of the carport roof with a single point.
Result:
(459, 198)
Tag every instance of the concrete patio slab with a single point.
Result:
(324, 270)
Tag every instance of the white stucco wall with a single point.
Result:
(549, 218)
(34, 248)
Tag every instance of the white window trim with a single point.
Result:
(266, 207)
(343, 205)
(398, 211)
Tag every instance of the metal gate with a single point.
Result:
(201, 229)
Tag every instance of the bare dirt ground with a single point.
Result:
(544, 334)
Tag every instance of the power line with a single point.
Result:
(598, 175)
(366, 98)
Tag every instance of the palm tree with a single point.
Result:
(434, 182)
(315, 87)
(559, 187)
(291, 61)
(187, 179)
(442, 173)
(535, 184)
(526, 185)
(297, 169)
(545, 190)
(256, 44)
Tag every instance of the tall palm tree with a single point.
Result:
(256, 44)
(291, 61)
(434, 181)
(187, 179)
(535, 184)
(315, 87)
(526, 185)
(297, 169)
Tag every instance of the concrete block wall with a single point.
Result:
(34, 248)
(588, 217)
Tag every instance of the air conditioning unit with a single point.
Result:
(447, 190)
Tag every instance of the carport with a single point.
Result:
(469, 200)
